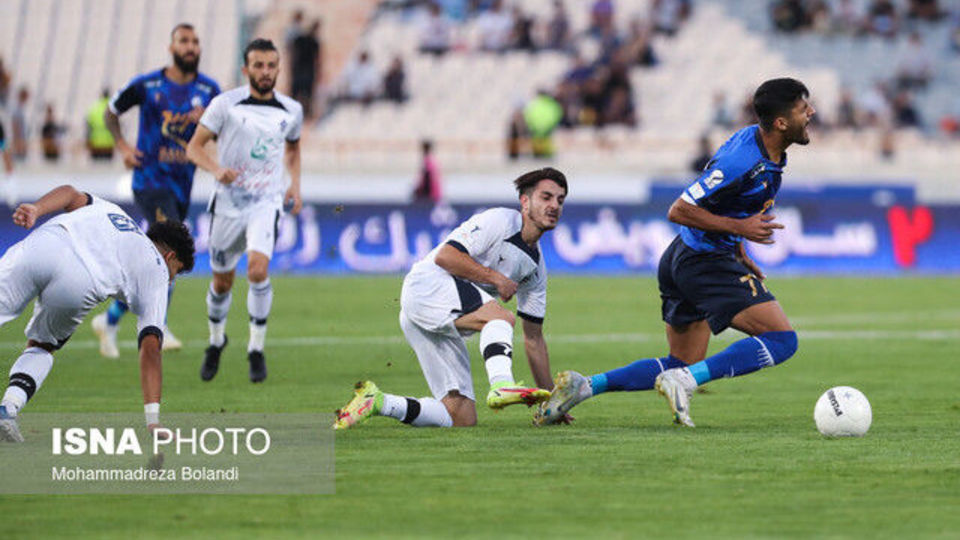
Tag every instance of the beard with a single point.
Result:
(264, 87)
(186, 66)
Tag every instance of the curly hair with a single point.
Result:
(174, 236)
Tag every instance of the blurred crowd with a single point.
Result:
(854, 17)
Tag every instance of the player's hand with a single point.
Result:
(506, 288)
(226, 176)
(293, 197)
(759, 228)
(131, 157)
(26, 215)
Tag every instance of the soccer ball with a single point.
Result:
(843, 411)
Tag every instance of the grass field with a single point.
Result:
(754, 467)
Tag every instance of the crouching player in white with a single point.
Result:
(448, 295)
(258, 131)
(71, 263)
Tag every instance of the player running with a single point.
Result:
(70, 264)
(449, 294)
(258, 132)
(171, 100)
(707, 280)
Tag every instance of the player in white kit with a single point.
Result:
(258, 132)
(71, 263)
(451, 293)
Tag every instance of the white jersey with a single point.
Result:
(251, 136)
(122, 261)
(492, 238)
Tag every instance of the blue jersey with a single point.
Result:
(168, 117)
(738, 182)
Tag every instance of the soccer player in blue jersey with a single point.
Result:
(171, 101)
(707, 280)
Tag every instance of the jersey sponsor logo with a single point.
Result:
(714, 179)
(261, 149)
(176, 126)
(123, 223)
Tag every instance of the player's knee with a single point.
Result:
(782, 345)
(504, 315)
(257, 273)
(222, 283)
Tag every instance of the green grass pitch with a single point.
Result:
(754, 467)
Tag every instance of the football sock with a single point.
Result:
(640, 375)
(26, 377)
(746, 356)
(423, 412)
(115, 312)
(259, 298)
(218, 306)
(496, 345)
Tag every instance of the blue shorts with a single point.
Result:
(711, 285)
(160, 205)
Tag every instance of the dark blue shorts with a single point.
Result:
(160, 205)
(710, 285)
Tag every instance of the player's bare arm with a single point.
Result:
(64, 198)
(291, 156)
(151, 371)
(131, 155)
(197, 153)
(537, 356)
(464, 266)
(756, 228)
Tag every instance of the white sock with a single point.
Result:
(496, 346)
(218, 306)
(26, 377)
(258, 334)
(423, 412)
(259, 299)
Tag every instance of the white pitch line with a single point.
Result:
(309, 341)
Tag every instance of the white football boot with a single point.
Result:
(677, 386)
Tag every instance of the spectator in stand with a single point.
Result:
(601, 17)
(435, 31)
(788, 15)
(542, 116)
(307, 63)
(362, 80)
(5, 79)
(522, 35)
(926, 10)
(50, 135)
(592, 99)
(818, 17)
(292, 32)
(618, 107)
(846, 110)
(19, 131)
(905, 114)
(394, 82)
(558, 34)
(848, 17)
(429, 188)
(721, 117)
(668, 14)
(100, 142)
(875, 105)
(495, 28)
(882, 18)
(704, 155)
(610, 44)
(639, 45)
(914, 69)
(517, 136)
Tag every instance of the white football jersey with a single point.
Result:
(122, 261)
(493, 239)
(251, 137)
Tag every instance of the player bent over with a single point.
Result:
(449, 294)
(258, 132)
(71, 263)
(707, 281)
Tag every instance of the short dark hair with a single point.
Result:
(174, 236)
(775, 98)
(183, 25)
(258, 44)
(527, 181)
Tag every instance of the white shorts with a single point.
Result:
(230, 236)
(44, 266)
(430, 304)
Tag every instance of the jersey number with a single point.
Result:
(123, 223)
(752, 281)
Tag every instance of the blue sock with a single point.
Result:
(639, 375)
(115, 311)
(746, 356)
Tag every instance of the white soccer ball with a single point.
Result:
(843, 411)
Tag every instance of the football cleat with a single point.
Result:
(677, 386)
(211, 360)
(170, 341)
(258, 366)
(367, 401)
(569, 389)
(9, 430)
(107, 337)
(503, 394)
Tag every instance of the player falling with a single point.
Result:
(171, 100)
(707, 280)
(449, 294)
(71, 263)
(258, 132)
